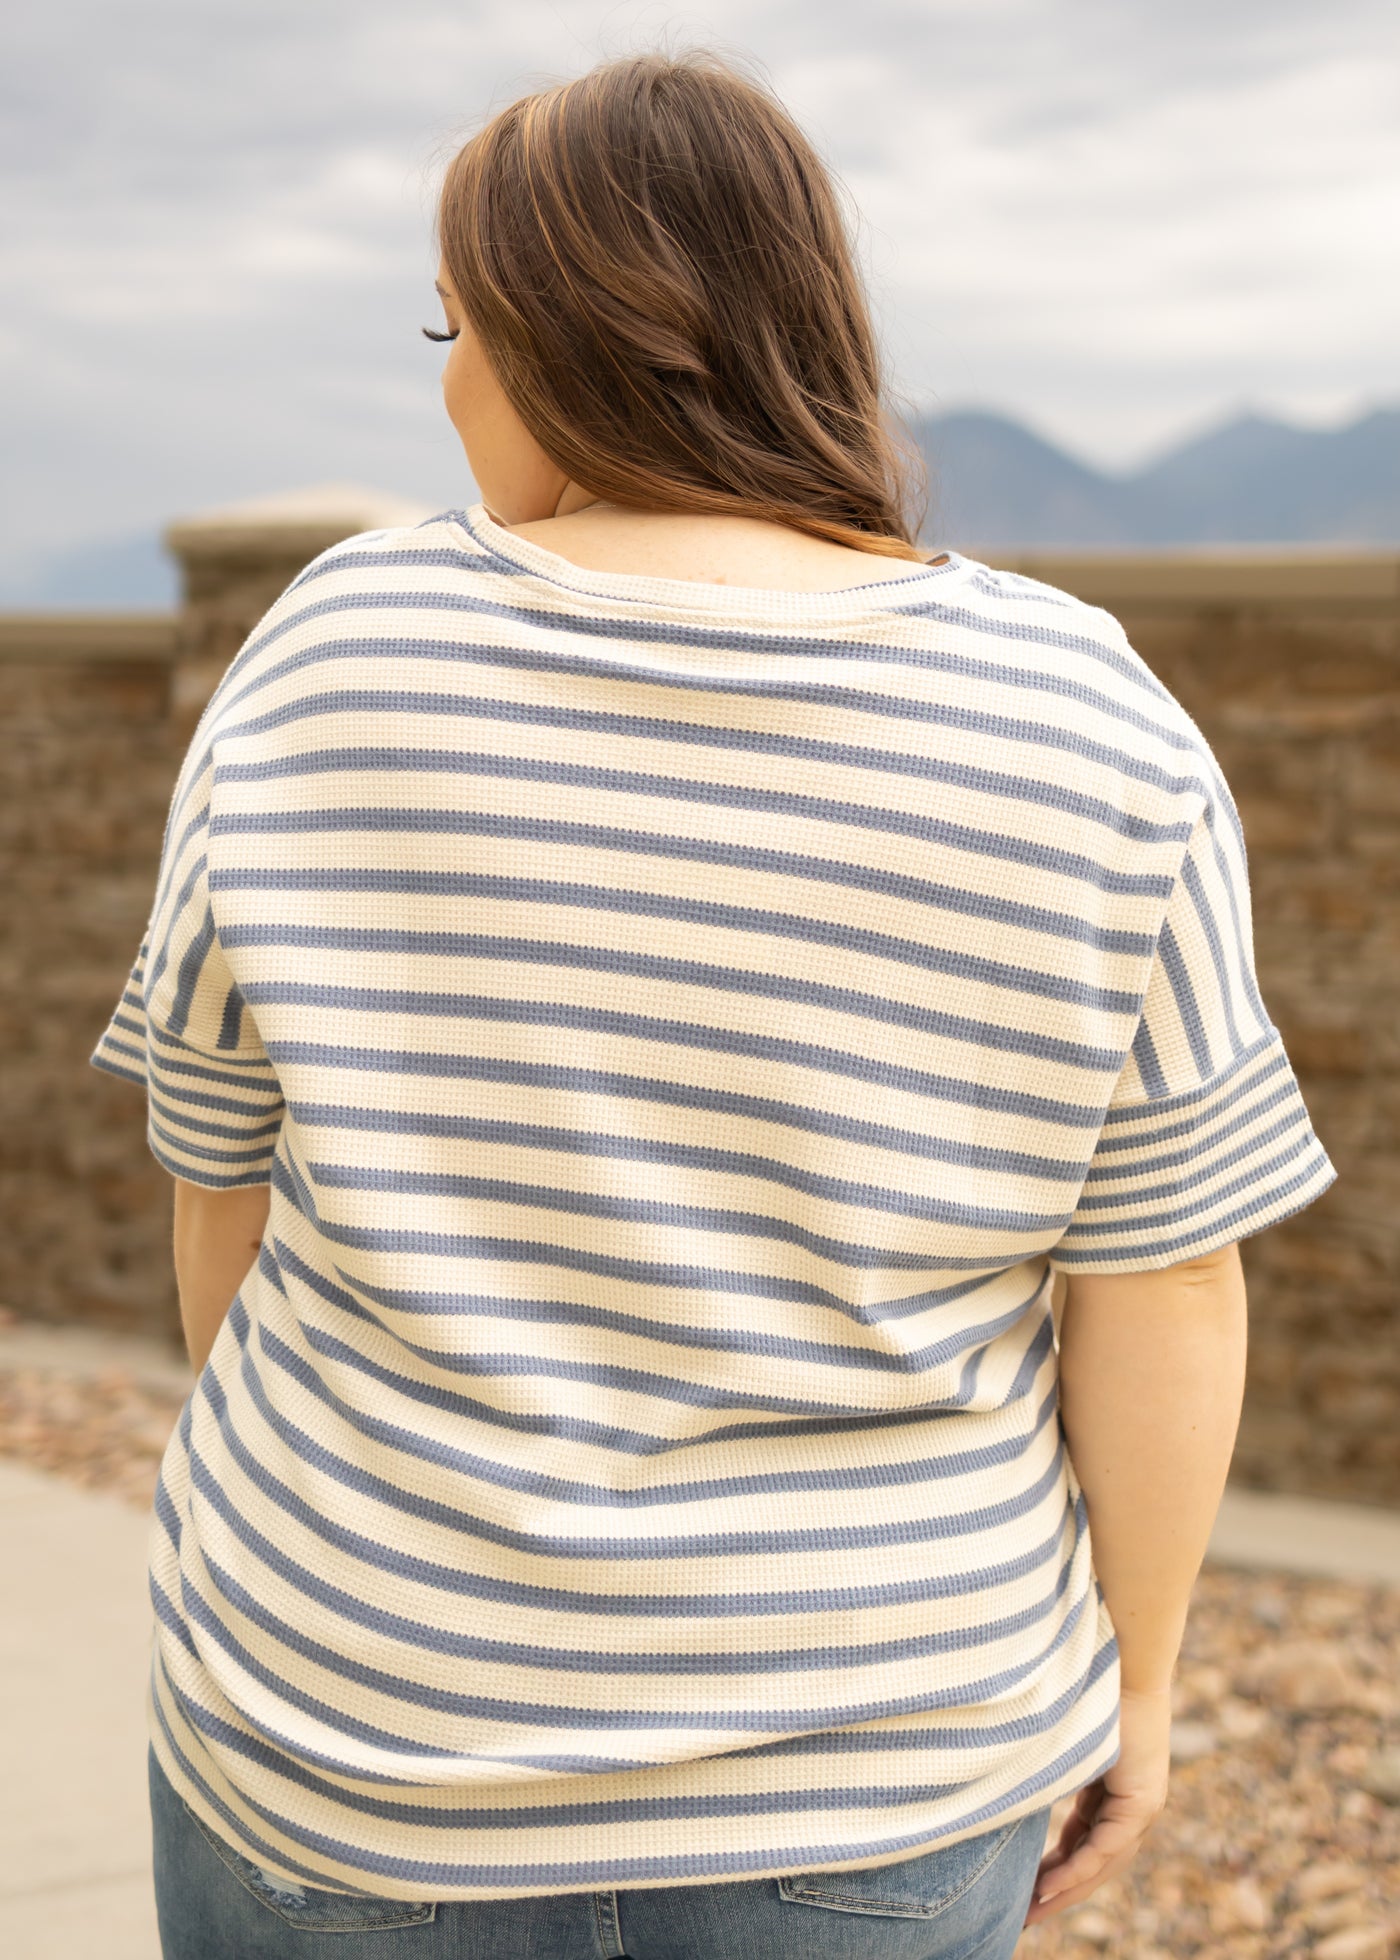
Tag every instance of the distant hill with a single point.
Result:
(1253, 480)
(994, 483)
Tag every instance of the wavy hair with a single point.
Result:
(654, 260)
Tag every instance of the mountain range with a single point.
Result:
(1251, 480)
(995, 484)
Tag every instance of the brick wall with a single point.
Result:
(1290, 665)
(89, 762)
(1289, 662)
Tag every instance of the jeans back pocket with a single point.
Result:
(307, 1906)
(930, 1885)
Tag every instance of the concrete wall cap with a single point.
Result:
(1182, 579)
(87, 636)
(337, 509)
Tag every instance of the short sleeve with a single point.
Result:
(181, 1029)
(1207, 1138)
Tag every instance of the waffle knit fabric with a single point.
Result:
(683, 1028)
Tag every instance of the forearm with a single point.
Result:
(1151, 1382)
(216, 1239)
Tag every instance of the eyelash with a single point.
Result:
(440, 336)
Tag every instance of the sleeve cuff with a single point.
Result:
(214, 1123)
(1188, 1174)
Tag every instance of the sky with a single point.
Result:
(1118, 221)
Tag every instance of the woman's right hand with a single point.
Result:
(1112, 1815)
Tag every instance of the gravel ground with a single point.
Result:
(107, 1432)
(1281, 1835)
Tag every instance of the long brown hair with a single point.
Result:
(655, 262)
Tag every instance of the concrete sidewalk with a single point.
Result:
(75, 1643)
(75, 1867)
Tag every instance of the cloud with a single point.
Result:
(1109, 216)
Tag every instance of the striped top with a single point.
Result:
(683, 1028)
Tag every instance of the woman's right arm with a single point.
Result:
(1151, 1383)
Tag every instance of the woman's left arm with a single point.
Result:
(217, 1235)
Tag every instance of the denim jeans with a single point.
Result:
(965, 1901)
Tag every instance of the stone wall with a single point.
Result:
(89, 762)
(1290, 665)
(98, 712)
(1289, 662)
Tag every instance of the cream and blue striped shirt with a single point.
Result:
(683, 1028)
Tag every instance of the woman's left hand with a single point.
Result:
(1112, 1815)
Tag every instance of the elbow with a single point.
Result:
(1210, 1269)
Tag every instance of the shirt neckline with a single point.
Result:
(697, 596)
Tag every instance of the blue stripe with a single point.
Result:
(231, 1025)
(176, 1112)
(105, 1057)
(386, 760)
(361, 1300)
(1268, 1204)
(237, 1830)
(350, 1120)
(179, 1147)
(1263, 1171)
(1203, 1141)
(178, 1166)
(937, 1354)
(407, 1443)
(453, 1582)
(786, 1800)
(784, 640)
(412, 1062)
(463, 1706)
(173, 863)
(842, 1421)
(695, 973)
(726, 1221)
(914, 891)
(1203, 1167)
(556, 1817)
(1241, 951)
(1149, 1068)
(421, 1636)
(1268, 1046)
(1011, 672)
(770, 742)
(403, 1002)
(487, 1816)
(997, 845)
(1191, 879)
(543, 1252)
(194, 874)
(1179, 979)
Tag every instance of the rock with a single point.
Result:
(1358, 1807)
(1241, 1904)
(1202, 1686)
(1088, 1923)
(1241, 1721)
(1308, 1676)
(1348, 1909)
(1190, 1740)
(1356, 1943)
(1381, 1776)
(1327, 1880)
(1326, 1610)
(1347, 1760)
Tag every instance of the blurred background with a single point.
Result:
(1135, 265)
(1136, 276)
